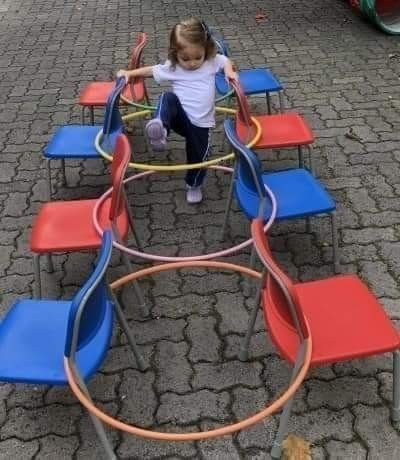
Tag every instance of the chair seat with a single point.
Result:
(297, 192)
(345, 319)
(252, 81)
(73, 141)
(95, 94)
(67, 226)
(32, 347)
(282, 130)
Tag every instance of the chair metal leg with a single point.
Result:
(281, 101)
(335, 243)
(223, 136)
(142, 124)
(136, 287)
(227, 208)
(98, 426)
(301, 158)
(127, 331)
(395, 413)
(310, 160)
(49, 192)
(132, 225)
(252, 263)
(83, 115)
(308, 224)
(91, 111)
(244, 349)
(37, 288)
(285, 416)
(50, 266)
(268, 98)
(64, 176)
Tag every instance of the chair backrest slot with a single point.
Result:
(121, 158)
(89, 304)
(248, 170)
(279, 287)
(113, 125)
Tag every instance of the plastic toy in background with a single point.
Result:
(383, 13)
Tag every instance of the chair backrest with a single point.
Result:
(222, 46)
(121, 158)
(279, 287)
(137, 52)
(113, 125)
(89, 303)
(136, 62)
(243, 111)
(247, 166)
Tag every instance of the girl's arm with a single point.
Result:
(229, 72)
(139, 72)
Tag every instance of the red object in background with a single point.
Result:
(383, 7)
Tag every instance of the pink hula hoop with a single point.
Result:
(159, 258)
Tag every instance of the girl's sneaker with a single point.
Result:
(194, 195)
(156, 134)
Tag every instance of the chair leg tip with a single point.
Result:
(243, 355)
(276, 452)
(395, 415)
(142, 365)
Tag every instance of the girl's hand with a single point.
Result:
(232, 75)
(124, 74)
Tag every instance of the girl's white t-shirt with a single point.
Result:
(194, 88)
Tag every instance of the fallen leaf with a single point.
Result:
(260, 17)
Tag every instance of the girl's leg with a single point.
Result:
(165, 116)
(198, 148)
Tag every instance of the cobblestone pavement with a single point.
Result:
(340, 73)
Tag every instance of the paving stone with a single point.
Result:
(225, 375)
(191, 408)
(52, 447)
(27, 424)
(338, 450)
(173, 367)
(373, 426)
(15, 448)
(322, 423)
(205, 344)
(342, 392)
(221, 449)
(234, 315)
(138, 398)
(135, 448)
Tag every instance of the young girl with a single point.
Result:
(189, 108)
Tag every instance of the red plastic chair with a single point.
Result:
(344, 319)
(95, 94)
(67, 226)
(282, 130)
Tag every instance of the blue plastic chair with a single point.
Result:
(253, 81)
(298, 193)
(78, 141)
(36, 334)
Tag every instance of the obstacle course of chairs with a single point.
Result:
(65, 342)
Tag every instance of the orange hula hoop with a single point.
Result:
(197, 435)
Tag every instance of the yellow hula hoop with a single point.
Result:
(181, 167)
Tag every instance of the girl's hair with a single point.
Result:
(194, 32)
